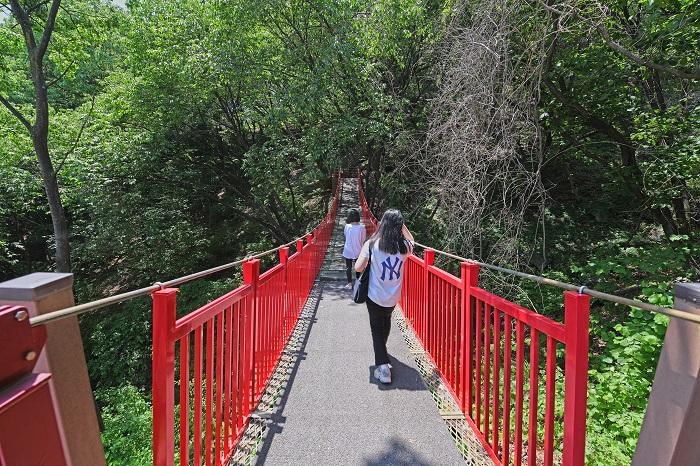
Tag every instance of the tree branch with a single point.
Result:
(591, 119)
(77, 139)
(48, 29)
(602, 30)
(62, 75)
(16, 113)
(26, 25)
(616, 46)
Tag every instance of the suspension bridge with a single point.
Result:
(279, 370)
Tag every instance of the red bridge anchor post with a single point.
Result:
(64, 358)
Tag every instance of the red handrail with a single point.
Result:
(225, 352)
(468, 333)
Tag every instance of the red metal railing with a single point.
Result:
(225, 352)
(498, 358)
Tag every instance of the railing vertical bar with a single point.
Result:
(496, 375)
(228, 374)
(442, 337)
(519, 380)
(266, 295)
(276, 323)
(478, 367)
(416, 295)
(238, 353)
(445, 343)
(270, 333)
(219, 383)
(209, 361)
(434, 315)
(264, 338)
(507, 346)
(456, 339)
(259, 344)
(184, 400)
(197, 415)
(428, 259)
(281, 337)
(487, 371)
(549, 403)
(534, 375)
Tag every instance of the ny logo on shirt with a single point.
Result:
(394, 269)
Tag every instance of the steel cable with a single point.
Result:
(118, 298)
(671, 312)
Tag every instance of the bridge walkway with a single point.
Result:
(333, 411)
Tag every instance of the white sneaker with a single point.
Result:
(383, 374)
(348, 286)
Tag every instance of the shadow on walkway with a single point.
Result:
(397, 453)
(403, 377)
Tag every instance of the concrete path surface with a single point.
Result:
(333, 411)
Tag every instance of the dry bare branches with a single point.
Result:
(483, 149)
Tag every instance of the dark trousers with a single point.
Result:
(380, 324)
(348, 269)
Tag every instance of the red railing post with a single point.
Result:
(251, 273)
(286, 330)
(428, 260)
(470, 278)
(298, 280)
(312, 254)
(576, 322)
(308, 265)
(163, 377)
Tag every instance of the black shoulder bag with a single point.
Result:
(361, 288)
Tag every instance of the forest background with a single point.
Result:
(141, 142)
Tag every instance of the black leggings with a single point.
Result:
(380, 324)
(348, 269)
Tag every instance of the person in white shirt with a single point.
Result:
(390, 245)
(355, 235)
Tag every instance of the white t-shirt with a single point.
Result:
(355, 235)
(386, 274)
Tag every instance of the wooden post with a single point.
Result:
(64, 358)
(669, 435)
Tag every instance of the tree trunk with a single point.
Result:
(58, 215)
(40, 139)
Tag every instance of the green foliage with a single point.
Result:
(127, 417)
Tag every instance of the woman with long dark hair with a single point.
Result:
(355, 235)
(390, 245)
